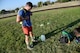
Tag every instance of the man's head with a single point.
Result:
(28, 6)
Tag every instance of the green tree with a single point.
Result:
(52, 2)
(12, 11)
(45, 3)
(3, 11)
(40, 4)
(16, 10)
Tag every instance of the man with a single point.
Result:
(24, 17)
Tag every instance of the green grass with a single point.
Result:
(12, 38)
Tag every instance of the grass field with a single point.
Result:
(12, 38)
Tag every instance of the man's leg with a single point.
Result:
(32, 39)
(27, 40)
(26, 32)
(31, 36)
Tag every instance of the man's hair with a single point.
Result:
(29, 4)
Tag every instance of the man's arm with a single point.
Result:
(19, 15)
(19, 18)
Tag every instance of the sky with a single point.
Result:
(12, 4)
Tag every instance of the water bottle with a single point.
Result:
(42, 37)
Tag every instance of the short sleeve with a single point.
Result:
(21, 13)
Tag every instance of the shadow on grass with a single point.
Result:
(56, 31)
(48, 35)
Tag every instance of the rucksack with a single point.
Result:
(65, 37)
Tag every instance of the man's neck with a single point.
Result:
(26, 9)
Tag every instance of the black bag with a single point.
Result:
(63, 39)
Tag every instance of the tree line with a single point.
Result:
(40, 4)
(3, 11)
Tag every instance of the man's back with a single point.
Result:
(25, 14)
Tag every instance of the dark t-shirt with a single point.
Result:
(23, 13)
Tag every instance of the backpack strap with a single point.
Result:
(24, 13)
(23, 10)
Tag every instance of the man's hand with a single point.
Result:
(26, 18)
(19, 18)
